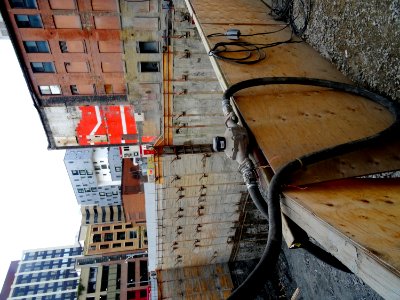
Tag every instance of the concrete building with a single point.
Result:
(102, 214)
(95, 175)
(47, 274)
(115, 237)
(114, 277)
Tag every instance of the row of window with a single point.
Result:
(111, 236)
(35, 255)
(101, 194)
(66, 21)
(85, 89)
(64, 4)
(113, 245)
(112, 227)
(46, 265)
(46, 276)
(104, 215)
(80, 47)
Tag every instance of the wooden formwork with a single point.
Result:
(357, 220)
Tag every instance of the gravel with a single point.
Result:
(362, 38)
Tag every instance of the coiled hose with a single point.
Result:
(271, 210)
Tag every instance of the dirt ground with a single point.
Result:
(362, 38)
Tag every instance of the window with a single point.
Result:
(62, 4)
(81, 190)
(23, 3)
(105, 228)
(116, 245)
(50, 89)
(71, 21)
(102, 194)
(112, 67)
(72, 46)
(147, 47)
(95, 229)
(28, 21)
(118, 227)
(36, 47)
(89, 172)
(149, 66)
(77, 67)
(108, 237)
(129, 244)
(107, 22)
(132, 234)
(96, 238)
(82, 89)
(121, 235)
(94, 189)
(117, 169)
(43, 67)
(82, 172)
(110, 46)
(104, 246)
(104, 5)
(75, 172)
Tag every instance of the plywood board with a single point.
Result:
(357, 220)
(299, 120)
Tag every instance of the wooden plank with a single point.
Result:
(357, 221)
(365, 160)
(322, 118)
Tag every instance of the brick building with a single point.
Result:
(72, 56)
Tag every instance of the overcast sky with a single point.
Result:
(38, 206)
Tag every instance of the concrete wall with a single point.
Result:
(198, 201)
(196, 103)
(203, 282)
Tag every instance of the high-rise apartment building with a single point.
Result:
(47, 274)
(95, 175)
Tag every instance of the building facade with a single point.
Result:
(47, 274)
(72, 56)
(95, 175)
(114, 277)
(102, 214)
(115, 237)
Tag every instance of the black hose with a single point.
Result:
(266, 265)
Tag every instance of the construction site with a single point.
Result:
(270, 129)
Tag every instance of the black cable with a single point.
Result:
(252, 34)
(266, 266)
(250, 50)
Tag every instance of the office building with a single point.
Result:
(47, 274)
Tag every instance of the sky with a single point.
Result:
(38, 206)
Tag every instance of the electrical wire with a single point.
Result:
(252, 53)
(266, 266)
(252, 34)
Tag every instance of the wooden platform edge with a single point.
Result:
(369, 269)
